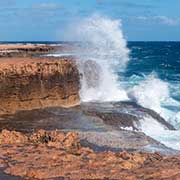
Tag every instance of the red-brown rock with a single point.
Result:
(61, 155)
(32, 83)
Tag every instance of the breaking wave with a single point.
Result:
(103, 57)
(102, 43)
(150, 93)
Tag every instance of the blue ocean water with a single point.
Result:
(153, 72)
(160, 58)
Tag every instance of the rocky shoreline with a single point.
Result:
(100, 126)
(79, 140)
(55, 154)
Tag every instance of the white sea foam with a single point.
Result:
(154, 94)
(154, 129)
(103, 43)
(150, 93)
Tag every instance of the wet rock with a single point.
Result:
(95, 131)
(123, 114)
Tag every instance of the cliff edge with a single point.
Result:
(32, 82)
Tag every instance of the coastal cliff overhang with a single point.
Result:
(37, 82)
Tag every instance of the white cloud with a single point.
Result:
(47, 6)
(167, 20)
(160, 19)
(142, 18)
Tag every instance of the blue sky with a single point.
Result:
(47, 19)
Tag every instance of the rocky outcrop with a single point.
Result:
(12, 50)
(59, 155)
(30, 83)
(125, 114)
(28, 49)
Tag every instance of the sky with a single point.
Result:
(47, 20)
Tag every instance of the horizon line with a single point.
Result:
(53, 41)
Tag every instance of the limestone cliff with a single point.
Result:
(30, 83)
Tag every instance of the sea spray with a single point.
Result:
(102, 54)
(102, 42)
(150, 92)
(153, 93)
(154, 129)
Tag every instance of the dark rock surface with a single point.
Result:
(95, 123)
(123, 114)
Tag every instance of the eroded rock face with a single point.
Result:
(62, 156)
(30, 83)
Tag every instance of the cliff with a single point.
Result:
(32, 82)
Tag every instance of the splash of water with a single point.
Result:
(155, 130)
(104, 44)
(102, 50)
(150, 93)
(153, 93)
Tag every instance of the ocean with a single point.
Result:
(156, 61)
